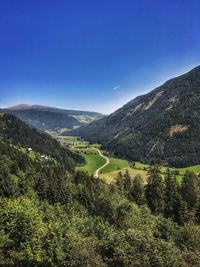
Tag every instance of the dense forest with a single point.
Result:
(51, 217)
(17, 132)
(161, 126)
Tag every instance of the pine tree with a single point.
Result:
(137, 193)
(172, 196)
(155, 190)
(127, 181)
(120, 181)
(190, 189)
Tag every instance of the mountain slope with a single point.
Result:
(49, 217)
(49, 118)
(163, 125)
(16, 132)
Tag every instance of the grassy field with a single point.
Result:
(110, 176)
(195, 168)
(115, 164)
(93, 162)
(181, 171)
(139, 165)
(74, 142)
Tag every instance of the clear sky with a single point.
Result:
(93, 54)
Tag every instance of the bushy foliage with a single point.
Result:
(50, 217)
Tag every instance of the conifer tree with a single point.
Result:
(127, 181)
(155, 190)
(172, 196)
(120, 181)
(190, 189)
(137, 193)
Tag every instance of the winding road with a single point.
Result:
(96, 174)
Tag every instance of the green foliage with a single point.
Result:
(50, 217)
(188, 240)
(93, 162)
(155, 190)
(115, 164)
(191, 188)
(172, 197)
(136, 192)
(26, 136)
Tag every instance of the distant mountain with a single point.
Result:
(163, 125)
(16, 133)
(51, 119)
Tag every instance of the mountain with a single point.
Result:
(52, 119)
(50, 217)
(17, 133)
(162, 126)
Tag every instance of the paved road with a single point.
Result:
(96, 174)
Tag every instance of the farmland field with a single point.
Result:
(115, 164)
(110, 176)
(93, 162)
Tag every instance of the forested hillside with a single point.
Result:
(161, 126)
(52, 119)
(50, 217)
(18, 133)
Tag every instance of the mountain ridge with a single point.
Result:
(162, 125)
(52, 119)
(49, 108)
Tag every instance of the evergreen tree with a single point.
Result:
(119, 180)
(127, 181)
(172, 196)
(190, 189)
(155, 190)
(137, 193)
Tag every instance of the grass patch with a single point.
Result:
(139, 165)
(110, 176)
(73, 141)
(93, 162)
(195, 168)
(115, 164)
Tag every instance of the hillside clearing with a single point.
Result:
(110, 176)
(93, 162)
(115, 164)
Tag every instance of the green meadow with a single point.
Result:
(93, 162)
(115, 164)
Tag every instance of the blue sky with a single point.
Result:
(93, 55)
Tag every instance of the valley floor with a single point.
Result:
(101, 164)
